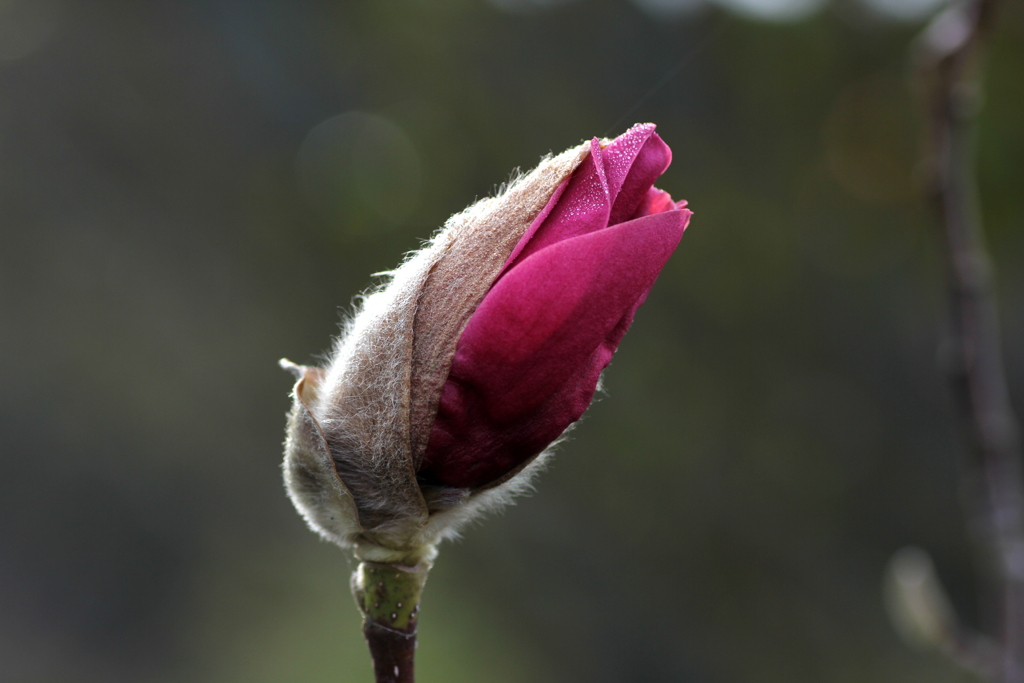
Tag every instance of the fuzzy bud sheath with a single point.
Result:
(453, 378)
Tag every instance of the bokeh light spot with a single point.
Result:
(527, 6)
(905, 10)
(360, 170)
(669, 9)
(870, 140)
(774, 10)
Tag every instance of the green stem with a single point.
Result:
(388, 595)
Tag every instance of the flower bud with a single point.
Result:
(480, 351)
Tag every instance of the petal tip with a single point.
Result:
(641, 127)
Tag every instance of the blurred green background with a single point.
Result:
(191, 190)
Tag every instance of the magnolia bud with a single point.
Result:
(480, 351)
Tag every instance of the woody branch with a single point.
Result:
(949, 54)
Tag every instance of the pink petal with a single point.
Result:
(633, 161)
(621, 153)
(582, 208)
(529, 360)
(607, 189)
(657, 201)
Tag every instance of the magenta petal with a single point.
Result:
(633, 161)
(644, 168)
(621, 154)
(529, 360)
(582, 208)
(657, 201)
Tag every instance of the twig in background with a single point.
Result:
(949, 57)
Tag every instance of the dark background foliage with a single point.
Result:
(190, 190)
